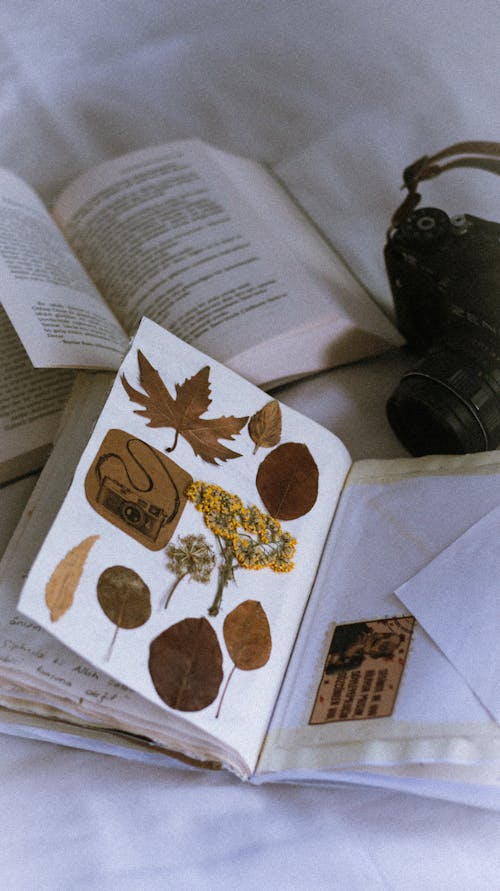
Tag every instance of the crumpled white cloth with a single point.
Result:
(274, 80)
(83, 821)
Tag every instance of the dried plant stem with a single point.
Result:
(226, 574)
(224, 691)
(172, 589)
(110, 648)
(172, 447)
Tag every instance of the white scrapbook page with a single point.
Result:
(151, 550)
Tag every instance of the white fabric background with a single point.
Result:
(273, 80)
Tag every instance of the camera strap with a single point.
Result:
(149, 479)
(478, 154)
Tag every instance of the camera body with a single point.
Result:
(144, 518)
(445, 279)
(444, 272)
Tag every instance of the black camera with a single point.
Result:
(445, 279)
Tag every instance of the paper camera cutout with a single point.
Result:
(137, 488)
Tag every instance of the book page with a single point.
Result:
(13, 499)
(164, 567)
(366, 685)
(30, 406)
(39, 676)
(57, 312)
(197, 240)
(27, 653)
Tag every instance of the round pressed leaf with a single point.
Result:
(124, 597)
(248, 636)
(287, 481)
(185, 664)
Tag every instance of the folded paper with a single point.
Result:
(455, 599)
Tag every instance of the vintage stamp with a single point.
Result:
(363, 670)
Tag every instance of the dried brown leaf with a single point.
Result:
(60, 588)
(185, 664)
(124, 597)
(264, 426)
(287, 481)
(248, 636)
(183, 412)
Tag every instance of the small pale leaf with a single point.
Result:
(60, 588)
(264, 427)
(248, 636)
(287, 481)
(185, 664)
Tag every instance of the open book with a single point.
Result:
(208, 245)
(203, 571)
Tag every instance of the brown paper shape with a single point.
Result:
(137, 488)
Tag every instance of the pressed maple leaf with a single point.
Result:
(183, 412)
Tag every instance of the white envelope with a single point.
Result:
(456, 599)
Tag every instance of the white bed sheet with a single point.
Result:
(279, 80)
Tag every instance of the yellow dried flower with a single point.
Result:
(247, 536)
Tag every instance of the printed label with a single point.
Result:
(137, 488)
(363, 670)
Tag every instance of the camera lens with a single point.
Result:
(447, 405)
(132, 514)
